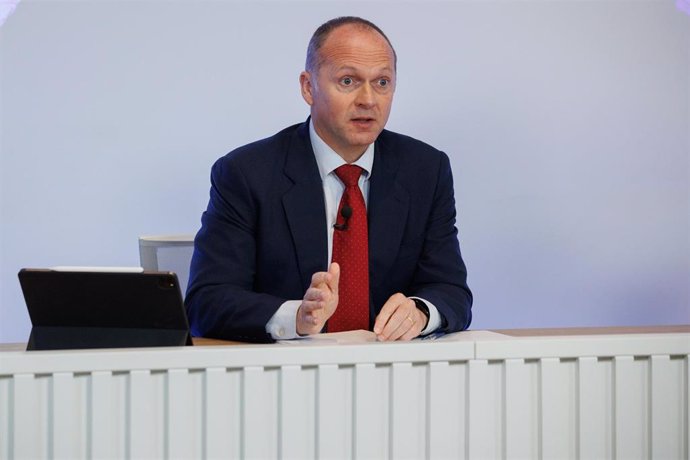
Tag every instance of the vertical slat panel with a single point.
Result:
(107, 417)
(485, 410)
(685, 404)
(559, 423)
(334, 412)
(5, 408)
(595, 408)
(183, 419)
(259, 414)
(68, 439)
(297, 412)
(521, 398)
(631, 403)
(371, 413)
(30, 417)
(223, 409)
(666, 414)
(408, 411)
(447, 405)
(145, 416)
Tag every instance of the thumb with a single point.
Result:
(334, 271)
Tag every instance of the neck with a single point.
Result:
(348, 153)
(350, 157)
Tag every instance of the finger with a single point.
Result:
(313, 317)
(307, 318)
(310, 319)
(314, 293)
(412, 332)
(386, 311)
(316, 309)
(319, 278)
(404, 321)
(309, 306)
(400, 321)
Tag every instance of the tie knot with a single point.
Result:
(349, 174)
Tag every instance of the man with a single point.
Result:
(332, 224)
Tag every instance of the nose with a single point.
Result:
(365, 97)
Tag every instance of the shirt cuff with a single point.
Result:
(283, 323)
(434, 317)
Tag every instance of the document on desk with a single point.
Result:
(358, 336)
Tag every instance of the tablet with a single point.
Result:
(87, 308)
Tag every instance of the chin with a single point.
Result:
(364, 139)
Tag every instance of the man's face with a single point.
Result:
(352, 92)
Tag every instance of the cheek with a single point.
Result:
(387, 104)
(335, 106)
(325, 108)
(336, 113)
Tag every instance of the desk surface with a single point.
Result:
(543, 332)
(533, 332)
(360, 347)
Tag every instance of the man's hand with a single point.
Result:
(319, 302)
(399, 319)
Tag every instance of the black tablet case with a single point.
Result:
(76, 310)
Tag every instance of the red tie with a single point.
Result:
(351, 251)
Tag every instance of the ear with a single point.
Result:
(307, 87)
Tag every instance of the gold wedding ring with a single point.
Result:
(411, 320)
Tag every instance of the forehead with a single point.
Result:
(356, 46)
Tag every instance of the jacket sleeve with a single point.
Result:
(220, 301)
(441, 275)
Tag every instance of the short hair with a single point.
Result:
(325, 29)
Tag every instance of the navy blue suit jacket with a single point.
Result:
(263, 234)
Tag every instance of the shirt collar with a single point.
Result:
(328, 161)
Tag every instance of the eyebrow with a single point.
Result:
(354, 69)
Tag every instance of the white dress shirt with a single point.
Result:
(283, 324)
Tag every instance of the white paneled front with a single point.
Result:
(595, 406)
(361, 401)
(558, 397)
(297, 412)
(521, 419)
(371, 405)
(184, 415)
(107, 414)
(222, 403)
(68, 402)
(259, 414)
(631, 408)
(485, 401)
(446, 429)
(29, 417)
(334, 411)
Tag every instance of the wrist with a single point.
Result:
(424, 309)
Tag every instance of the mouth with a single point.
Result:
(363, 122)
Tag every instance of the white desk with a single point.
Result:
(614, 393)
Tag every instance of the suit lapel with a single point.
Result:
(388, 207)
(304, 206)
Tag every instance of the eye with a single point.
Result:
(383, 82)
(347, 81)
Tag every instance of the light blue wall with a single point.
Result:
(567, 124)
